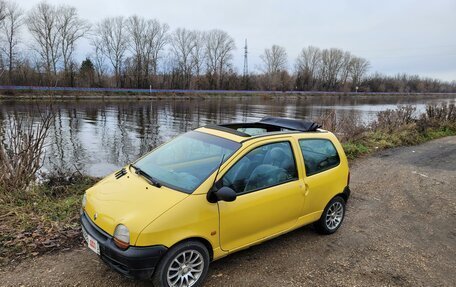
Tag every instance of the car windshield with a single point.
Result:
(188, 160)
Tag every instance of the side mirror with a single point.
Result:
(226, 194)
(223, 194)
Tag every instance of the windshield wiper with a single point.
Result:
(144, 174)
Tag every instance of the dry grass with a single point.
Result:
(47, 220)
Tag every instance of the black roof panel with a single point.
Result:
(271, 124)
(291, 124)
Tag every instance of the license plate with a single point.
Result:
(91, 243)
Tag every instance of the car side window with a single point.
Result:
(262, 167)
(319, 155)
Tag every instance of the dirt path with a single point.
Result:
(400, 230)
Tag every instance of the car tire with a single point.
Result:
(332, 217)
(187, 261)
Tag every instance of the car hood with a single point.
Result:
(129, 200)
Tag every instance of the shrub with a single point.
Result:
(21, 152)
(441, 113)
(347, 127)
(392, 128)
(328, 120)
(354, 150)
(391, 120)
(436, 116)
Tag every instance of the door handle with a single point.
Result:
(306, 189)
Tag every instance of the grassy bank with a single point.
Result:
(46, 220)
(45, 217)
(375, 141)
(392, 128)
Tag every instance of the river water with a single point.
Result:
(97, 137)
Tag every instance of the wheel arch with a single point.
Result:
(345, 194)
(202, 240)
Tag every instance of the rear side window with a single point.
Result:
(319, 155)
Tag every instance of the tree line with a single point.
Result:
(38, 48)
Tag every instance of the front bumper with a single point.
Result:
(134, 262)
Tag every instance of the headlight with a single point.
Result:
(122, 236)
(83, 204)
(84, 201)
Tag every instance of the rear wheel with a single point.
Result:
(332, 216)
(184, 265)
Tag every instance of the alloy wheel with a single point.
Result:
(185, 269)
(334, 215)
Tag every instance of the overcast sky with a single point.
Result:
(411, 36)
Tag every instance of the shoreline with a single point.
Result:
(39, 93)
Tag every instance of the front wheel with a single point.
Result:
(332, 216)
(184, 265)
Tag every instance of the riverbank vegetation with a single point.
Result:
(41, 212)
(392, 128)
(46, 219)
(137, 52)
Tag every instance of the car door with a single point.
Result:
(269, 199)
(323, 177)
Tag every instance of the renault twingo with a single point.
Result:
(213, 191)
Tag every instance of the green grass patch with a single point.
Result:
(439, 133)
(354, 150)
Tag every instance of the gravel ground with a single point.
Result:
(399, 231)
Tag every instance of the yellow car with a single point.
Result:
(213, 191)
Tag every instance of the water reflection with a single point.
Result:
(97, 137)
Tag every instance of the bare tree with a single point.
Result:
(307, 66)
(274, 60)
(113, 41)
(3, 10)
(359, 68)
(157, 38)
(198, 55)
(137, 30)
(147, 40)
(329, 69)
(42, 22)
(11, 25)
(99, 62)
(219, 49)
(135, 46)
(331, 64)
(274, 63)
(182, 46)
(346, 67)
(71, 29)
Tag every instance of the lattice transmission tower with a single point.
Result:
(246, 61)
